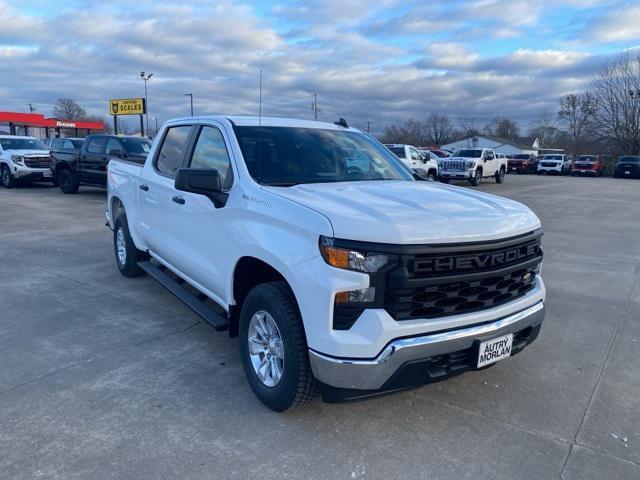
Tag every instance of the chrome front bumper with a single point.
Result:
(372, 374)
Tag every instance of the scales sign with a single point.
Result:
(127, 106)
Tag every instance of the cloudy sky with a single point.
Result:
(381, 62)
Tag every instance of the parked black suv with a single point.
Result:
(628, 166)
(86, 164)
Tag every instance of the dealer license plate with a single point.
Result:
(494, 350)
(46, 174)
(627, 172)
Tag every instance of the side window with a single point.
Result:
(210, 152)
(415, 155)
(171, 152)
(96, 145)
(113, 144)
(66, 145)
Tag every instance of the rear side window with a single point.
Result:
(96, 145)
(67, 145)
(172, 150)
(210, 152)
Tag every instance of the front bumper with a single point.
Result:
(407, 362)
(456, 174)
(26, 173)
(518, 168)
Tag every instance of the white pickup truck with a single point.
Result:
(472, 164)
(415, 159)
(339, 271)
(23, 158)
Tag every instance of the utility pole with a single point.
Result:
(190, 95)
(31, 108)
(368, 127)
(260, 101)
(314, 106)
(146, 78)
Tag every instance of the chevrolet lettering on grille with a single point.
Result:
(480, 261)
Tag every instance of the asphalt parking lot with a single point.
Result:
(107, 377)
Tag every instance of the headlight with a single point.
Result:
(17, 158)
(349, 259)
(471, 164)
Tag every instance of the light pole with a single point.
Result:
(146, 103)
(190, 95)
(155, 119)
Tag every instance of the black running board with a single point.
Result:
(208, 314)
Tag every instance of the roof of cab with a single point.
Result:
(268, 122)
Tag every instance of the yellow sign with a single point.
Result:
(127, 106)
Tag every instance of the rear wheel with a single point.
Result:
(500, 176)
(273, 348)
(6, 178)
(68, 181)
(127, 255)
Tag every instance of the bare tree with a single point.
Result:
(615, 93)
(439, 128)
(502, 127)
(68, 109)
(411, 132)
(576, 112)
(470, 126)
(544, 128)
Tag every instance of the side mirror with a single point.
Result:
(203, 181)
(117, 152)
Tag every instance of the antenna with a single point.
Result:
(314, 106)
(260, 104)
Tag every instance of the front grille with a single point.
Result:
(549, 164)
(37, 162)
(454, 166)
(457, 279)
(458, 297)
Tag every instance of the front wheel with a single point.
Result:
(273, 348)
(6, 178)
(477, 178)
(431, 176)
(67, 181)
(500, 176)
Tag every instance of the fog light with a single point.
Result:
(363, 295)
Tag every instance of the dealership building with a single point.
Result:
(16, 123)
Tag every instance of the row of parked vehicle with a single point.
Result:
(67, 162)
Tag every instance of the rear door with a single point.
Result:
(159, 207)
(93, 161)
(490, 163)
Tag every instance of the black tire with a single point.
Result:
(431, 176)
(444, 180)
(500, 176)
(6, 178)
(297, 385)
(128, 266)
(475, 181)
(68, 181)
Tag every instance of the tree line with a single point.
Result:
(602, 119)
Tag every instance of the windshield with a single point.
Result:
(468, 153)
(397, 151)
(630, 159)
(552, 157)
(521, 156)
(586, 158)
(77, 144)
(22, 144)
(136, 146)
(286, 156)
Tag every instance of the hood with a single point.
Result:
(404, 212)
(28, 153)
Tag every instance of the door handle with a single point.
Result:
(179, 200)
(144, 187)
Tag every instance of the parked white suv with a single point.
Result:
(337, 269)
(415, 159)
(472, 164)
(23, 158)
(554, 163)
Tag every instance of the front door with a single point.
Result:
(92, 161)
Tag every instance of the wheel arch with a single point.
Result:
(248, 273)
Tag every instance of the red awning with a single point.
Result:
(37, 120)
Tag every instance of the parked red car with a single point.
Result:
(522, 163)
(437, 151)
(588, 165)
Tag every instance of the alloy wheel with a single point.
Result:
(266, 348)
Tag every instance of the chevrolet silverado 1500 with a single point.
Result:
(338, 270)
